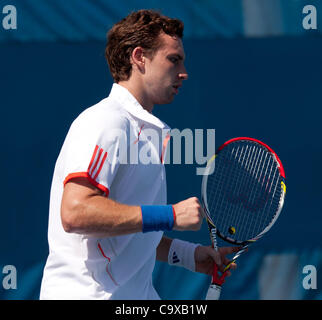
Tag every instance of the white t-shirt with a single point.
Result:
(119, 147)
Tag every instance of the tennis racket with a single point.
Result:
(243, 190)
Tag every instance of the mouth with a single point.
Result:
(176, 88)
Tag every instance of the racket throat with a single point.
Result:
(218, 279)
(213, 232)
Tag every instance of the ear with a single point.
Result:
(138, 58)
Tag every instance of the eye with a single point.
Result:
(174, 60)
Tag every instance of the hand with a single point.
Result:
(189, 215)
(205, 257)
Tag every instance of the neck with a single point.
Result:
(137, 90)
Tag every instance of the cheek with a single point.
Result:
(159, 80)
(153, 75)
(160, 71)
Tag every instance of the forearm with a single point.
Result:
(163, 249)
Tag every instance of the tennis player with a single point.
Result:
(108, 202)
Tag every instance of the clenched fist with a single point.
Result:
(189, 215)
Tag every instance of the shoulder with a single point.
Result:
(105, 115)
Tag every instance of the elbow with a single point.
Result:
(67, 224)
(70, 217)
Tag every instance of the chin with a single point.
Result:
(169, 99)
(166, 101)
(166, 98)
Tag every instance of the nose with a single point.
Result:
(183, 75)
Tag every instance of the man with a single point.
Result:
(108, 214)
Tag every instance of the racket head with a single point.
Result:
(243, 190)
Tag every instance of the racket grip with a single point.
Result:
(213, 292)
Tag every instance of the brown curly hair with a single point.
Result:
(139, 29)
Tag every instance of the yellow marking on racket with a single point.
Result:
(208, 220)
(228, 265)
(283, 186)
(211, 159)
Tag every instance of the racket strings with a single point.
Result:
(269, 180)
(230, 217)
(231, 178)
(256, 224)
(220, 176)
(241, 218)
(273, 179)
(243, 190)
(249, 165)
(223, 177)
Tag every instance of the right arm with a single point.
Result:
(85, 210)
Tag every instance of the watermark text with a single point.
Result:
(310, 19)
(9, 19)
(310, 279)
(9, 280)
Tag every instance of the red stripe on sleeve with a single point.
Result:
(100, 167)
(96, 162)
(93, 157)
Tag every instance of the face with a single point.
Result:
(165, 71)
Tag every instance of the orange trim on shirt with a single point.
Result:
(103, 253)
(90, 179)
(109, 260)
(137, 140)
(164, 147)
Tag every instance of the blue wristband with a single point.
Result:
(156, 218)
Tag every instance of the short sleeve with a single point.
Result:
(94, 147)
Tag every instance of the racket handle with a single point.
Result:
(213, 292)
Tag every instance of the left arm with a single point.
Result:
(204, 256)
(163, 249)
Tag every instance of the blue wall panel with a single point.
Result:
(264, 88)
